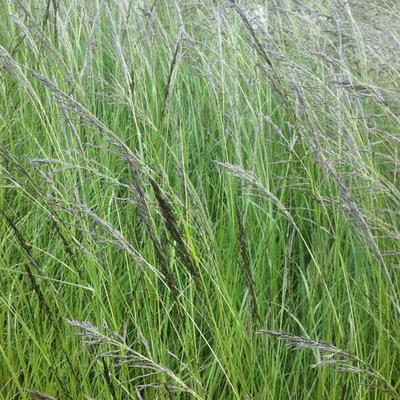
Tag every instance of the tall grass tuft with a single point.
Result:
(194, 177)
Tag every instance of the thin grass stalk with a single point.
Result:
(172, 227)
(247, 270)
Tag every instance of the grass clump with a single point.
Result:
(185, 186)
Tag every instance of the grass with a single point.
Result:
(190, 190)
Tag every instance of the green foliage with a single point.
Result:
(187, 185)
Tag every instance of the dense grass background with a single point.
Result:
(187, 184)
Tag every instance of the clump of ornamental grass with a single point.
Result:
(298, 102)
